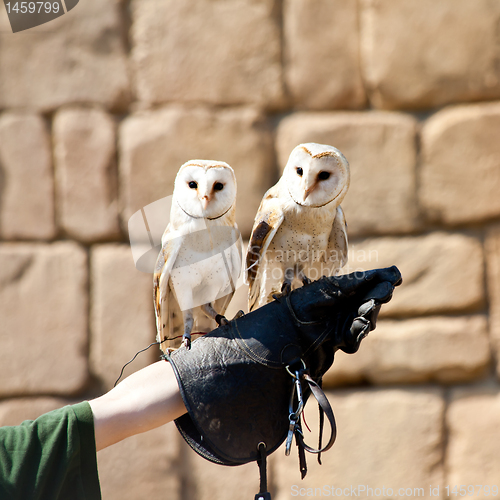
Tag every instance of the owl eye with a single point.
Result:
(193, 184)
(322, 176)
(218, 186)
(299, 171)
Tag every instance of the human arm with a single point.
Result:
(143, 401)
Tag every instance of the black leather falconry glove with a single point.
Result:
(245, 384)
(352, 301)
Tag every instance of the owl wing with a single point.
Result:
(165, 303)
(337, 242)
(267, 221)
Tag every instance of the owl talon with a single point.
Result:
(238, 315)
(286, 288)
(186, 341)
(221, 320)
(305, 280)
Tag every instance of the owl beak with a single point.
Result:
(205, 200)
(308, 191)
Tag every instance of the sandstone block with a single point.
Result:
(43, 306)
(351, 369)
(205, 51)
(16, 411)
(442, 272)
(386, 439)
(381, 151)
(153, 146)
(442, 349)
(142, 466)
(239, 301)
(493, 276)
(86, 174)
(122, 316)
(207, 480)
(472, 455)
(26, 183)
(78, 58)
(461, 164)
(426, 54)
(322, 64)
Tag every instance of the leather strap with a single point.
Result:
(328, 412)
(321, 426)
(302, 455)
(262, 463)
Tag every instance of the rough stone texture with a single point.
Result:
(322, 64)
(493, 275)
(381, 151)
(78, 58)
(425, 54)
(86, 174)
(442, 272)
(26, 182)
(472, 453)
(15, 411)
(142, 466)
(209, 481)
(43, 306)
(221, 52)
(352, 369)
(122, 318)
(460, 173)
(441, 349)
(239, 300)
(388, 438)
(153, 146)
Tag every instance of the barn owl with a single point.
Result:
(200, 258)
(300, 230)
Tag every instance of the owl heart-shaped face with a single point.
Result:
(317, 174)
(205, 189)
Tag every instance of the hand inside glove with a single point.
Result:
(353, 301)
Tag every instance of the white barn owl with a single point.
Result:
(300, 231)
(200, 258)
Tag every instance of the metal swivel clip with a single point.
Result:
(294, 416)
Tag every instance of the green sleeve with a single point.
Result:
(50, 458)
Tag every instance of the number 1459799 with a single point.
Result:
(472, 490)
(32, 7)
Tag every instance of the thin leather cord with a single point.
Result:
(294, 316)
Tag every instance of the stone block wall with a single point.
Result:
(100, 107)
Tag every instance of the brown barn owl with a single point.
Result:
(300, 230)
